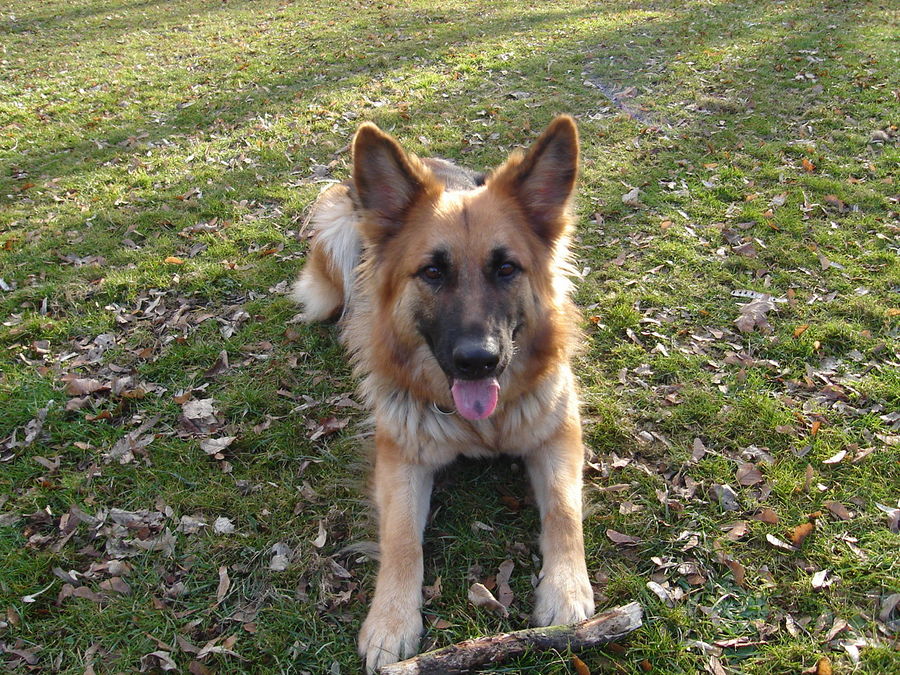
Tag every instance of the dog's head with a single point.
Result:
(472, 274)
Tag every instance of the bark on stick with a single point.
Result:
(464, 657)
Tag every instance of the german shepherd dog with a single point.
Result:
(453, 297)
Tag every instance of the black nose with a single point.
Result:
(476, 358)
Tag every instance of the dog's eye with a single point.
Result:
(506, 270)
(431, 273)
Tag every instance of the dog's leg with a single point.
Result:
(402, 493)
(564, 594)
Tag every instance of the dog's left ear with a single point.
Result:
(542, 181)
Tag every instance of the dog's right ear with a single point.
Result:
(388, 180)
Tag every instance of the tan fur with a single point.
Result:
(524, 208)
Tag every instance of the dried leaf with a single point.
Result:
(622, 539)
(698, 450)
(823, 666)
(223, 525)
(835, 458)
(632, 198)
(214, 446)
(779, 544)
(753, 315)
(820, 580)
(580, 666)
(81, 386)
(838, 510)
(662, 593)
(224, 585)
(504, 592)
(766, 515)
(748, 474)
(727, 497)
(736, 530)
(160, 660)
(482, 597)
(322, 536)
(801, 532)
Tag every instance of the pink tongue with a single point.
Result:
(475, 399)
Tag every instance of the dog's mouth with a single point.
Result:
(476, 399)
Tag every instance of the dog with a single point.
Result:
(452, 293)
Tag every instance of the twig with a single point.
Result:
(466, 656)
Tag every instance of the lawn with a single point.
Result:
(183, 464)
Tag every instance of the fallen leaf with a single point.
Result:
(748, 474)
(888, 605)
(753, 315)
(820, 580)
(835, 458)
(322, 536)
(766, 515)
(160, 660)
(482, 597)
(837, 627)
(622, 539)
(173, 260)
(698, 450)
(727, 497)
(632, 197)
(808, 166)
(800, 330)
(736, 530)
(779, 544)
(80, 386)
(280, 558)
(662, 593)
(504, 592)
(801, 532)
(823, 666)
(838, 510)
(224, 585)
(580, 666)
(223, 525)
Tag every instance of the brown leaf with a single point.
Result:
(698, 450)
(734, 566)
(838, 510)
(801, 532)
(580, 666)
(504, 592)
(766, 515)
(736, 530)
(808, 166)
(224, 585)
(623, 539)
(79, 386)
(327, 427)
(823, 666)
(800, 330)
(748, 474)
(753, 315)
(160, 660)
(173, 260)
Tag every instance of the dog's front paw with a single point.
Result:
(389, 635)
(563, 596)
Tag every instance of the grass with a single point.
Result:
(125, 124)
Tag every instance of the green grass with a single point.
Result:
(124, 123)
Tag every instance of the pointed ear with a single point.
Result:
(543, 179)
(388, 180)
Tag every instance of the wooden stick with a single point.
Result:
(466, 656)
